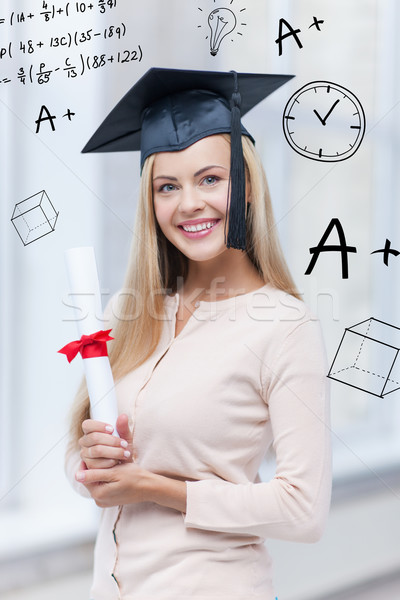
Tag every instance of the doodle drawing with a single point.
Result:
(34, 217)
(367, 358)
(338, 118)
(221, 22)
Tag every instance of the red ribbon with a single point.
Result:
(90, 346)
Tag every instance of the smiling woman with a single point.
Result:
(205, 383)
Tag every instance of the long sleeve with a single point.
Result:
(295, 503)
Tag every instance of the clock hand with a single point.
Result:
(329, 111)
(322, 120)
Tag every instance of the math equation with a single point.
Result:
(28, 59)
(49, 11)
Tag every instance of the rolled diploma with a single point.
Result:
(85, 295)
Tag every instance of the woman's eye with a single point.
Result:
(167, 187)
(210, 180)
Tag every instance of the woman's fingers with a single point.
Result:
(125, 432)
(101, 463)
(102, 439)
(103, 457)
(99, 451)
(95, 476)
(90, 425)
(123, 429)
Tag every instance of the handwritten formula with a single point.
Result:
(33, 56)
(49, 11)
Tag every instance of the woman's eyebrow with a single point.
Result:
(200, 171)
(165, 177)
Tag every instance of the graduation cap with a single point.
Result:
(170, 109)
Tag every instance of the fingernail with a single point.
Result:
(124, 443)
(127, 454)
(109, 428)
(80, 476)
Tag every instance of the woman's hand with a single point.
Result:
(122, 484)
(102, 450)
(127, 483)
(113, 479)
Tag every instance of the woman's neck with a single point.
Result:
(227, 278)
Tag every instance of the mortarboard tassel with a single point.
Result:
(237, 225)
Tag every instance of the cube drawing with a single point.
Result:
(34, 217)
(368, 358)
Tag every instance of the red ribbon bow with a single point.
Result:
(90, 346)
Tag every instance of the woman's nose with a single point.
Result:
(190, 200)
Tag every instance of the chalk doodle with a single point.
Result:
(386, 251)
(34, 65)
(338, 118)
(294, 32)
(45, 115)
(368, 358)
(34, 217)
(343, 249)
(221, 22)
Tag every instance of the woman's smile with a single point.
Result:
(199, 230)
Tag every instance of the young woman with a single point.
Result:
(216, 359)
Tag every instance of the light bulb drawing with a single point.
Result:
(222, 22)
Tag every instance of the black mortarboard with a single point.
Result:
(170, 109)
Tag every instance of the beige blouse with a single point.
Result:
(244, 374)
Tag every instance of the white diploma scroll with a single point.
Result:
(86, 298)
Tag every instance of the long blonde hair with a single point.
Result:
(155, 265)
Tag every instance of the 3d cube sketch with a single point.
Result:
(368, 358)
(34, 217)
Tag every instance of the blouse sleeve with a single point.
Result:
(295, 503)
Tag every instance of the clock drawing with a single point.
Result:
(324, 121)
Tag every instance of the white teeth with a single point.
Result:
(199, 227)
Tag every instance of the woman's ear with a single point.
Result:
(247, 210)
(248, 190)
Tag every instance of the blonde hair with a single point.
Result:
(155, 265)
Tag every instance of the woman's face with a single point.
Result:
(190, 189)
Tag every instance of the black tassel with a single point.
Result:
(237, 224)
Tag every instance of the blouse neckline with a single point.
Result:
(219, 305)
